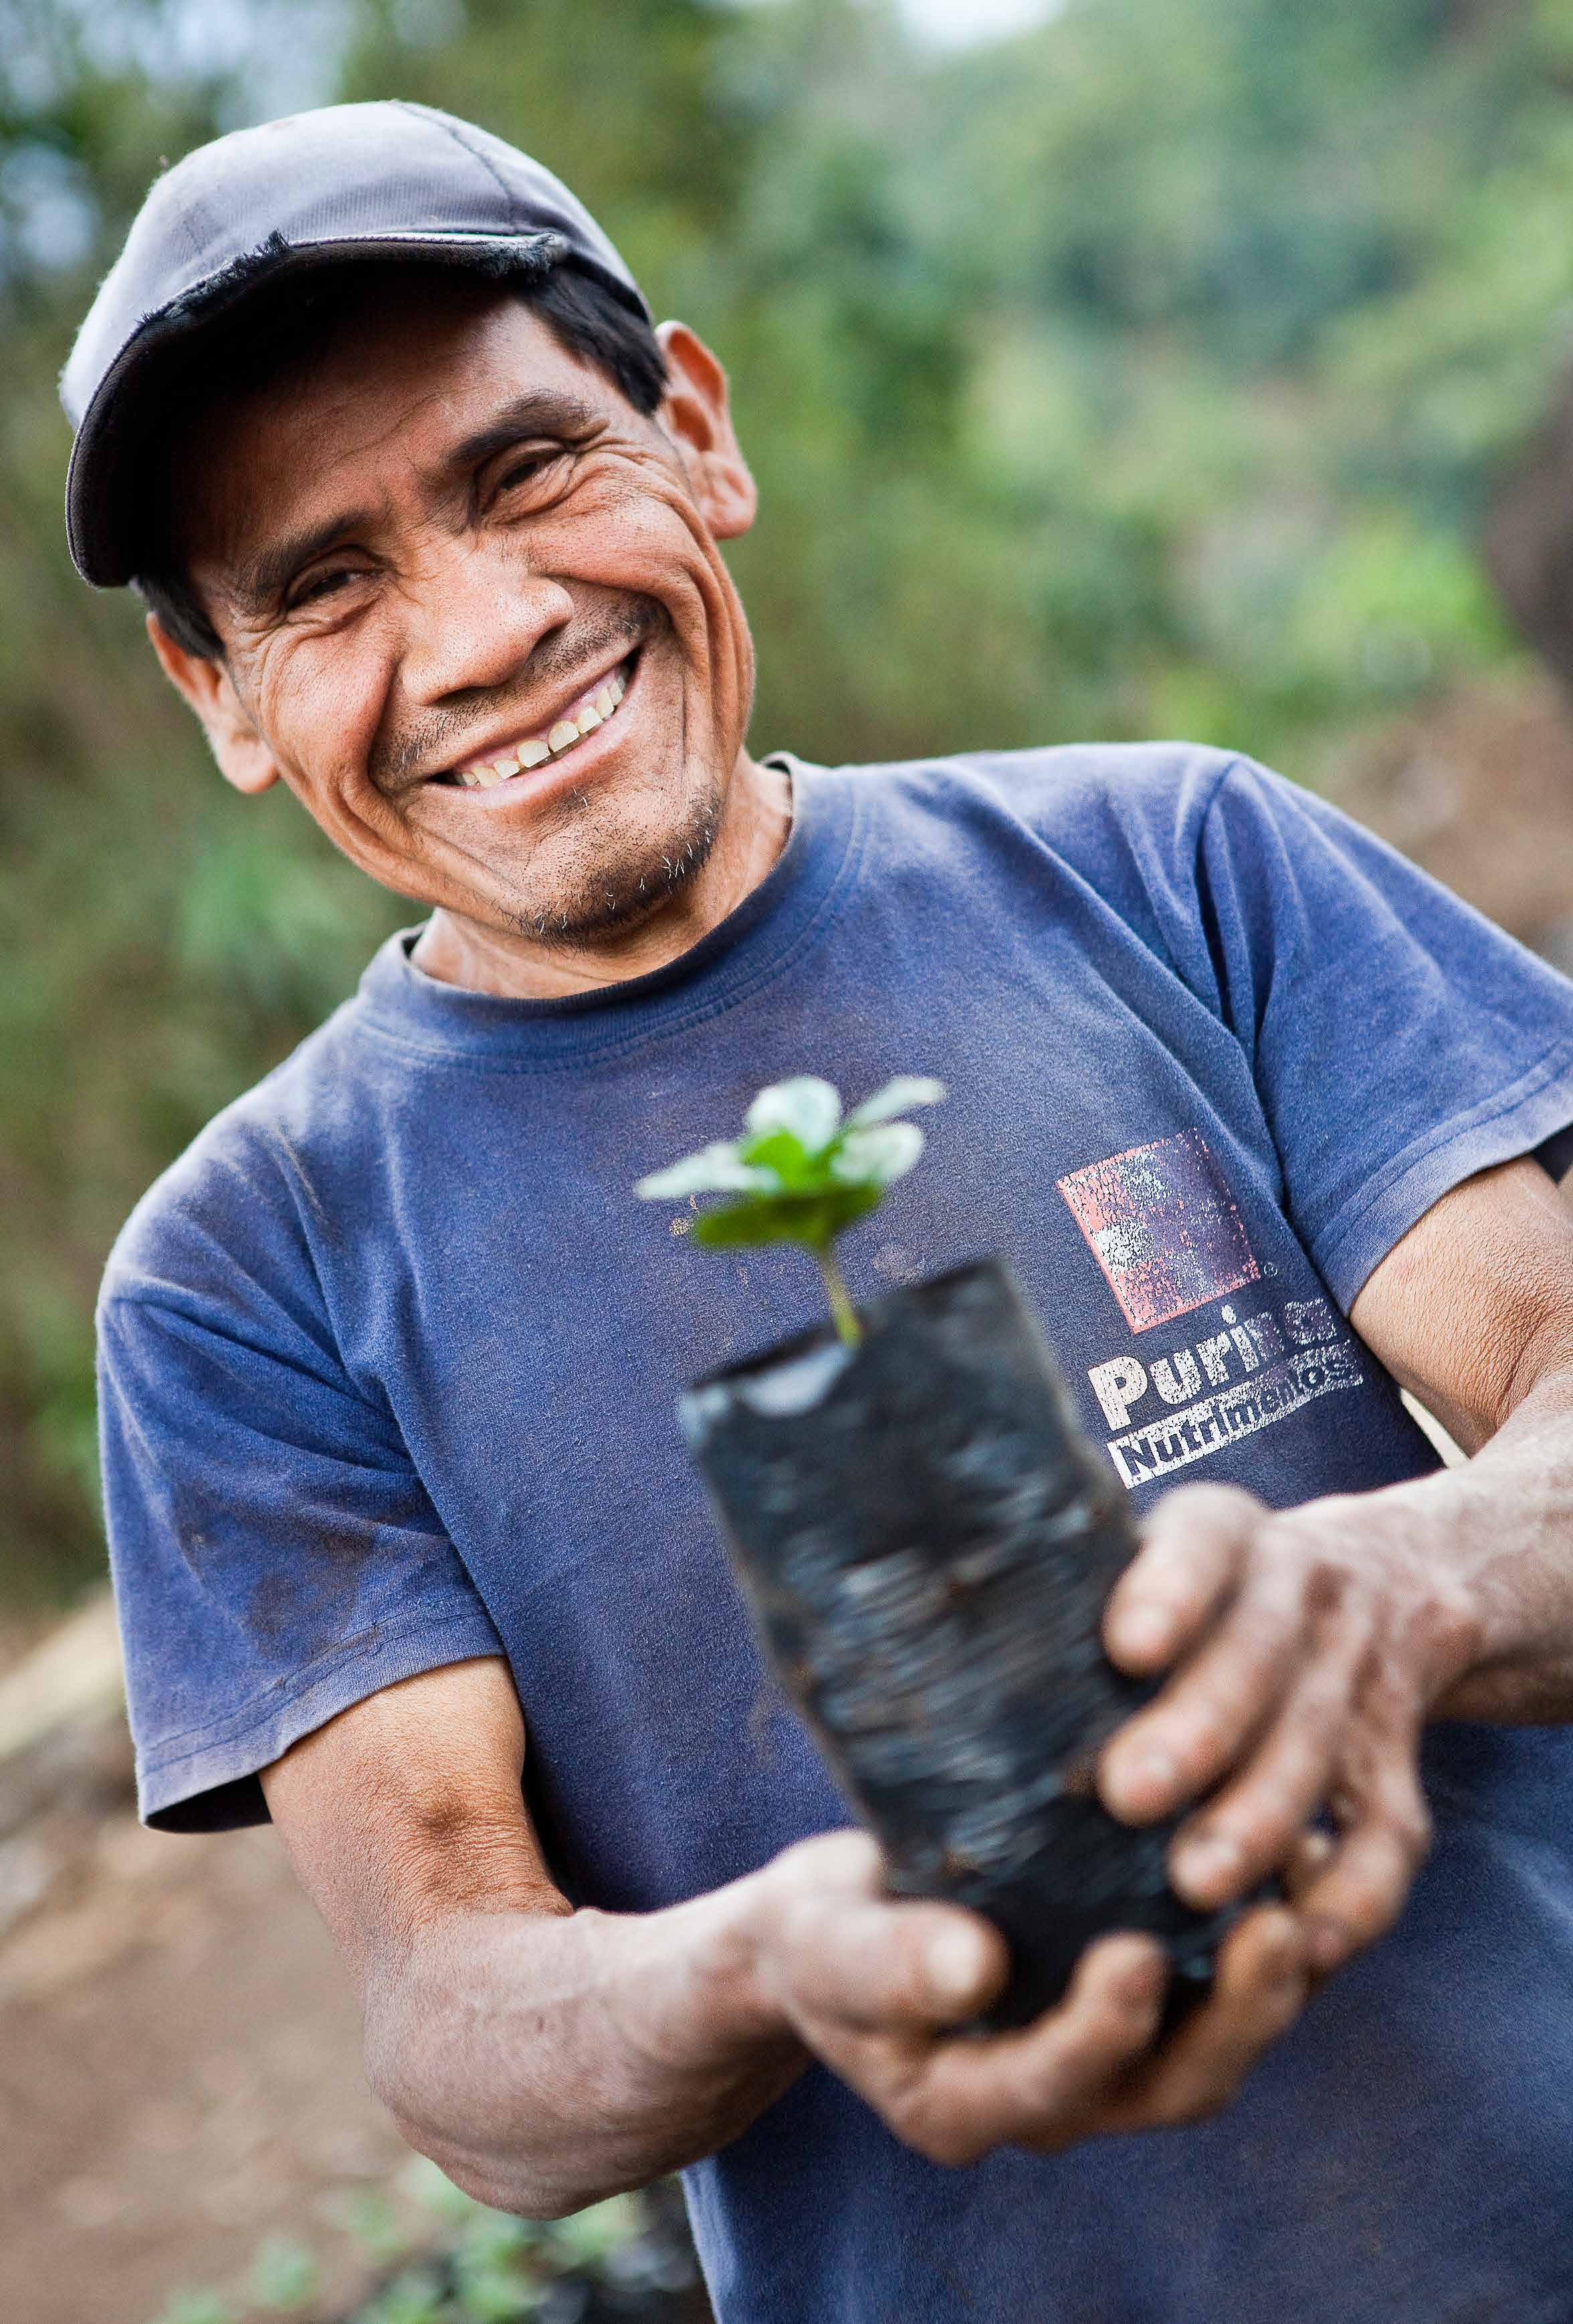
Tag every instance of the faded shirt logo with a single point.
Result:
(1169, 1237)
(1164, 1227)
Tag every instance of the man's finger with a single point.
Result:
(1259, 1989)
(1193, 1550)
(851, 1861)
(1249, 1828)
(1202, 1722)
(1306, 1862)
(1039, 2087)
(1364, 1886)
(875, 1966)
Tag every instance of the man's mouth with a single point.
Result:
(580, 717)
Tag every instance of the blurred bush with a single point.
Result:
(438, 2257)
(1143, 374)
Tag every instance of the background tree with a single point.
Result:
(1145, 374)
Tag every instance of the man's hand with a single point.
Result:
(1307, 1650)
(876, 1987)
(619, 2046)
(1313, 1646)
(1310, 1647)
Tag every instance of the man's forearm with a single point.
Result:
(1504, 1523)
(545, 2061)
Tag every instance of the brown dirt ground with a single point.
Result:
(179, 2067)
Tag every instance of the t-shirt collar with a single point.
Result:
(769, 926)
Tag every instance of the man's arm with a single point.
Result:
(1312, 1645)
(544, 2057)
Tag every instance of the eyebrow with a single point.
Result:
(258, 580)
(540, 412)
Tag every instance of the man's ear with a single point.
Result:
(695, 413)
(244, 758)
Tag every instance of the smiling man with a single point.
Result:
(427, 520)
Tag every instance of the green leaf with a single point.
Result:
(367, 2214)
(784, 1155)
(491, 2298)
(878, 1155)
(493, 2238)
(800, 1174)
(810, 1108)
(813, 1220)
(499, 2287)
(416, 2297)
(715, 1170)
(905, 1090)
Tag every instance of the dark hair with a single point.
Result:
(282, 326)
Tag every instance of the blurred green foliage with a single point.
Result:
(439, 2257)
(1140, 375)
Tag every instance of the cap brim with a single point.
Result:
(114, 429)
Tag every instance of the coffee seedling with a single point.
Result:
(926, 1539)
(803, 1172)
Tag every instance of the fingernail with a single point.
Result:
(1208, 1863)
(955, 1966)
(1328, 1942)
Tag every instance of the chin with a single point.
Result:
(612, 882)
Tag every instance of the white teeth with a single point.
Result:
(536, 751)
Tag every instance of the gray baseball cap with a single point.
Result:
(346, 181)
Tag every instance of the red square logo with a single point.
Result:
(1164, 1227)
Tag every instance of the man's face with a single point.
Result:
(448, 544)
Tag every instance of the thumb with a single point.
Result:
(876, 1965)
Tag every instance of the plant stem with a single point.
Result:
(840, 1303)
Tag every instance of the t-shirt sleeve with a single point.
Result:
(275, 1557)
(1399, 1042)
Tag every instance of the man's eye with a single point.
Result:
(528, 467)
(321, 584)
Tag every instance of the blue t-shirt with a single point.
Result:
(390, 1363)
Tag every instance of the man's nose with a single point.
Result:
(476, 613)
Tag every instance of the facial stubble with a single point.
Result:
(613, 898)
